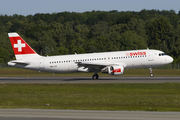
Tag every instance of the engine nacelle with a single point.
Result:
(82, 69)
(115, 70)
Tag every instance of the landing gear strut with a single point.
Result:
(151, 74)
(95, 76)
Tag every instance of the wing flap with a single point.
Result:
(92, 63)
(100, 64)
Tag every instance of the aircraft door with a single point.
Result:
(150, 56)
(41, 64)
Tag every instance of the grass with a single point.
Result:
(145, 97)
(13, 72)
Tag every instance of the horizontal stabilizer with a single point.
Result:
(20, 62)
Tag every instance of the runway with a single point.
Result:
(45, 114)
(41, 114)
(74, 80)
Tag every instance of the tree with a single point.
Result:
(137, 25)
(95, 31)
(158, 32)
(131, 41)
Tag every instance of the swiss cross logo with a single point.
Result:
(19, 45)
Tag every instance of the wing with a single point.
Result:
(95, 66)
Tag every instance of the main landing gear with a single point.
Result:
(95, 76)
(151, 74)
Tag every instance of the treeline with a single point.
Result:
(95, 31)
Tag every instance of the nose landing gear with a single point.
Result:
(151, 74)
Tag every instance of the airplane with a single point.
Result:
(112, 63)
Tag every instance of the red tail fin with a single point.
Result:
(21, 49)
(19, 45)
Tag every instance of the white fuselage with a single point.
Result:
(69, 63)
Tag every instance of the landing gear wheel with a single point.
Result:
(95, 76)
(151, 75)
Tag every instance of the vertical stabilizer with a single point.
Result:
(21, 49)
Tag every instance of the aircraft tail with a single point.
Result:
(21, 49)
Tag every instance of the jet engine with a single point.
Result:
(113, 70)
(116, 70)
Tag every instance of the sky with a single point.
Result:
(31, 7)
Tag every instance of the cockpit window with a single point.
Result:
(162, 54)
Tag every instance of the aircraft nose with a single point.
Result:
(170, 59)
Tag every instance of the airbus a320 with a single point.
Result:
(112, 63)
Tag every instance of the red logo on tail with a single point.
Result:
(19, 45)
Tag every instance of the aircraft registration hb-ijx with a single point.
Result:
(112, 63)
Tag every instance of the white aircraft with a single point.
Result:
(112, 63)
